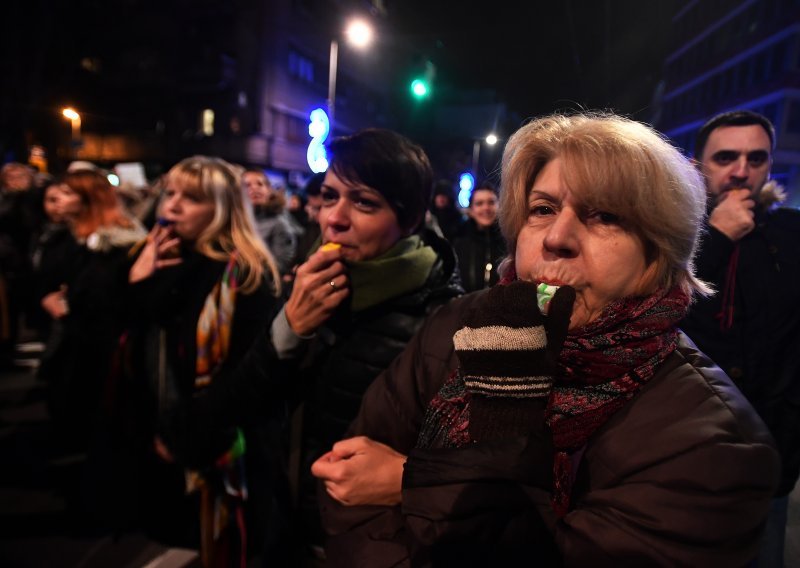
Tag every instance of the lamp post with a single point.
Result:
(75, 120)
(358, 34)
(491, 140)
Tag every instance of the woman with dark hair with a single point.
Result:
(358, 299)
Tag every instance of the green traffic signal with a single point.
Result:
(419, 88)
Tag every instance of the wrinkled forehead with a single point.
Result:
(594, 184)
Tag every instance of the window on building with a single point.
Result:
(301, 66)
(777, 61)
(793, 120)
(297, 130)
(771, 112)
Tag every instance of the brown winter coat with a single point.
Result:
(682, 475)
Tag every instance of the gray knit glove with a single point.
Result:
(507, 352)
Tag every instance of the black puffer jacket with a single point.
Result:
(353, 348)
(761, 350)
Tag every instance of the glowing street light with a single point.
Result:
(75, 119)
(491, 140)
(359, 34)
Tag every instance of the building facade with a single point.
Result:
(732, 55)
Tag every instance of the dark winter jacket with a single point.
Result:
(450, 221)
(172, 300)
(95, 274)
(479, 251)
(170, 304)
(681, 475)
(351, 349)
(761, 350)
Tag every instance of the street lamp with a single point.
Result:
(491, 140)
(75, 118)
(358, 34)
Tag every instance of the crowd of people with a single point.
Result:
(364, 374)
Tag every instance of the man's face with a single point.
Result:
(736, 157)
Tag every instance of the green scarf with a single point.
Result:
(403, 268)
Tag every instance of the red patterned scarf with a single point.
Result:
(602, 366)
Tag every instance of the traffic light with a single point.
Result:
(419, 88)
(421, 84)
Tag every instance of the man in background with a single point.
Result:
(751, 255)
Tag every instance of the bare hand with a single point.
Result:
(162, 450)
(733, 215)
(55, 303)
(361, 471)
(320, 285)
(158, 252)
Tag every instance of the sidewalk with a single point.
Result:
(36, 482)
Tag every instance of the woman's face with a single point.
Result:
(564, 242)
(187, 208)
(484, 207)
(70, 202)
(256, 187)
(52, 203)
(357, 217)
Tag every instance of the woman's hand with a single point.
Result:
(55, 303)
(158, 252)
(361, 471)
(320, 285)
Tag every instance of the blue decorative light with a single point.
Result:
(466, 183)
(318, 129)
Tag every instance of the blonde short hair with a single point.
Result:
(232, 229)
(617, 165)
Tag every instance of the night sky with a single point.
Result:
(545, 56)
(538, 56)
